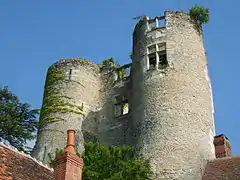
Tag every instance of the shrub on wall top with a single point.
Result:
(199, 13)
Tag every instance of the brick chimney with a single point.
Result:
(222, 146)
(68, 166)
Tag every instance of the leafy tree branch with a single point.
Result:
(18, 121)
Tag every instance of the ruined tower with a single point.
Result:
(172, 101)
(169, 115)
(72, 90)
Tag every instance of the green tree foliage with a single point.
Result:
(108, 62)
(199, 13)
(115, 66)
(18, 121)
(113, 163)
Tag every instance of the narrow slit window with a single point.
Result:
(70, 74)
(125, 108)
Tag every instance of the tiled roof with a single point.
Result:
(15, 165)
(227, 168)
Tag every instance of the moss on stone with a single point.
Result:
(53, 119)
(53, 101)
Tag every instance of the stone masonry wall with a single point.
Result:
(81, 95)
(111, 129)
(172, 108)
(115, 128)
(68, 99)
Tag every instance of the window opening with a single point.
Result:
(125, 108)
(70, 74)
(157, 56)
(162, 22)
(162, 59)
(152, 60)
(157, 22)
(121, 106)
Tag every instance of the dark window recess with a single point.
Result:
(152, 60)
(162, 60)
(70, 74)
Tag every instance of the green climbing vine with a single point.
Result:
(53, 101)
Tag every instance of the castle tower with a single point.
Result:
(71, 91)
(172, 107)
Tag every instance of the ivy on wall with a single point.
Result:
(53, 101)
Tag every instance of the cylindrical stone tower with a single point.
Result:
(71, 92)
(172, 105)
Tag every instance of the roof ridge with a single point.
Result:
(224, 158)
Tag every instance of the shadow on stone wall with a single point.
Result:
(102, 127)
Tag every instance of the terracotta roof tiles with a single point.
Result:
(18, 166)
(227, 168)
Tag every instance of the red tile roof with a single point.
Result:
(227, 168)
(18, 166)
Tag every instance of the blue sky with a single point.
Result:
(35, 34)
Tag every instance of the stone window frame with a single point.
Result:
(160, 54)
(121, 101)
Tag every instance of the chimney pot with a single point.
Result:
(70, 147)
(68, 165)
